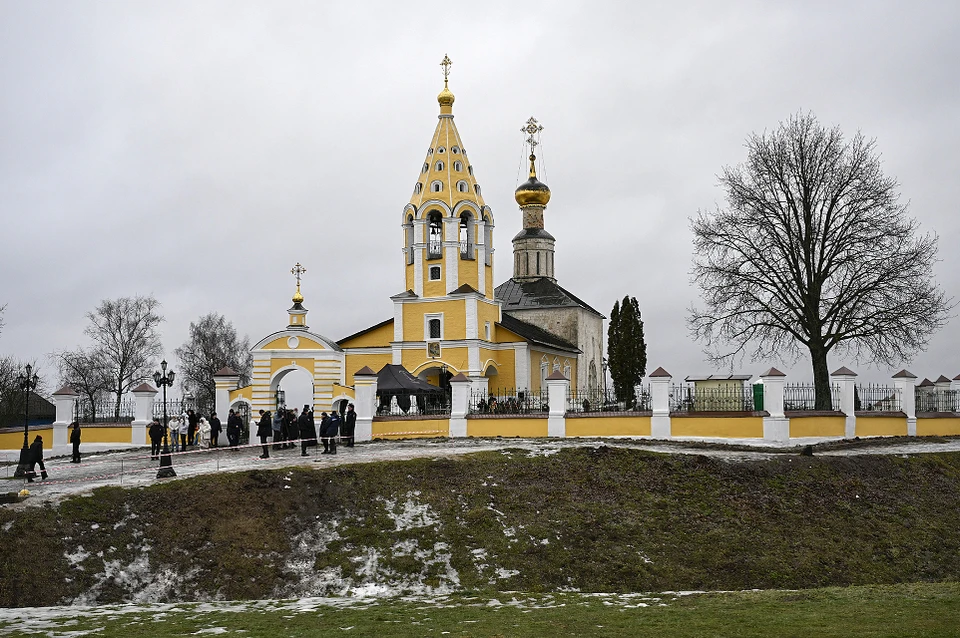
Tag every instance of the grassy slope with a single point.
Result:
(613, 520)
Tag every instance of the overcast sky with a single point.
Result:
(197, 150)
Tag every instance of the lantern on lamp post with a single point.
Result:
(163, 378)
(28, 383)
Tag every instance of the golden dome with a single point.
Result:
(297, 297)
(532, 191)
(445, 98)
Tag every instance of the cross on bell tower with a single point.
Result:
(298, 314)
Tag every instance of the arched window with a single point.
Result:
(463, 187)
(544, 372)
(436, 187)
(466, 235)
(434, 273)
(476, 187)
(458, 165)
(434, 234)
(440, 149)
(418, 188)
(430, 151)
(488, 240)
(566, 368)
(408, 238)
(426, 167)
(434, 328)
(454, 150)
(556, 364)
(470, 169)
(439, 166)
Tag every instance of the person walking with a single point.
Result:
(234, 427)
(36, 457)
(75, 440)
(215, 428)
(264, 430)
(156, 439)
(349, 425)
(307, 432)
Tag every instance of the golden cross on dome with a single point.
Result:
(296, 271)
(532, 128)
(446, 64)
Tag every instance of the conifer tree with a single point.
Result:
(626, 349)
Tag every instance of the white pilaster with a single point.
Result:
(451, 251)
(906, 384)
(558, 389)
(521, 353)
(776, 426)
(65, 399)
(365, 403)
(398, 321)
(473, 331)
(481, 239)
(460, 387)
(420, 243)
(660, 381)
(847, 380)
(143, 413)
(397, 353)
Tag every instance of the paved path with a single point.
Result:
(135, 467)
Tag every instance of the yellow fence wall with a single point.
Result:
(747, 427)
(938, 427)
(14, 440)
(507, 427)
(817, 426)
(609, 426)
(881, 426)
(411, 429)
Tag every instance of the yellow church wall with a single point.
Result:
(507, 427)
(410, 276)
(246, 392)
(488, 277)
(456, 359)
(377, 338)
(505, 360)
(881, 426)
(487, 312)
(609, 426)
(454, 319)
(817, 426)
(748, 427)
(340, 390)
(14, 440)
(938, 427)
(410, 428)
(535, 360)
(434, 288)
(305, 363)
(305, 344)
(356, 360)
(468, 272)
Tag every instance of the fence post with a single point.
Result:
(558, 389)
(776, 427)
(461, 387)
(955, 386)
(65, 399)
(143, 414)
(224, 381)
(660, 381)
(847, 380)
(365, 389)
(906, 384)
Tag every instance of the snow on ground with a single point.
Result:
(134, 467)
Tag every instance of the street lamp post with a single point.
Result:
(163, 379)
(28, 383)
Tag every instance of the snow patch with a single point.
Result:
(411, 514)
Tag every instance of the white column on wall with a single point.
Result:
(847, 380)
(481, 242)
(558, 389)
(144, 396)
(776, 426)
(420, 244)
(65, 399)
(906, 384)
(451, 244)
(521, 353)
(460, 387)
(365, 402)
(660, 381)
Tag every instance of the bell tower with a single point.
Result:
(447, 227)
(533, 246)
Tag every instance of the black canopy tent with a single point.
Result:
(396, 381)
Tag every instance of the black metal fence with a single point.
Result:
(413, 403)
(105, 411)
(174, 408)
(801, 397)
(937, 400)
(876, 398)
(508, 402)
(726, 398)
(601, 400)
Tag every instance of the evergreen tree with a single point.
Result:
(626, 349)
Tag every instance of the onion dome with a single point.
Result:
(532, 191)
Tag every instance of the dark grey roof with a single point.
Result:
(528, 233)
(537, 293)
(536, 334)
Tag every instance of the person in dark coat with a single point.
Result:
(329, 428)
(349, 425)
(265, 431)
(36, 458)
(287, 432)
(193, 429)
(215, 428)
(156, 439)
(307, 431)
(234, 427)
(75, 439)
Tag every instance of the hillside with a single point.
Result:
(588, 519)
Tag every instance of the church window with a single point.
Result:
(538, 263)
(439, 166)
(440, 149)
(486, 330)
(466, 236)
(430, 151)
(434, 273)
(434, 326)
(458, 165)
(418, 188)
(435, 235)
(556, 364)
(470, 169)
(408, 238)
(544, 372)
(454, 150)
(476, 187)
(463, 187)
(436, 186)
(488, 240)
(426, 167)
(566, 368)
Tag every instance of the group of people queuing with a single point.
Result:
(288, 425)
(187, 430)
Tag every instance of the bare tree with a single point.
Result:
(213, 344)
(813, 250)
(86, 371)
(11, 395)
(124, 333)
